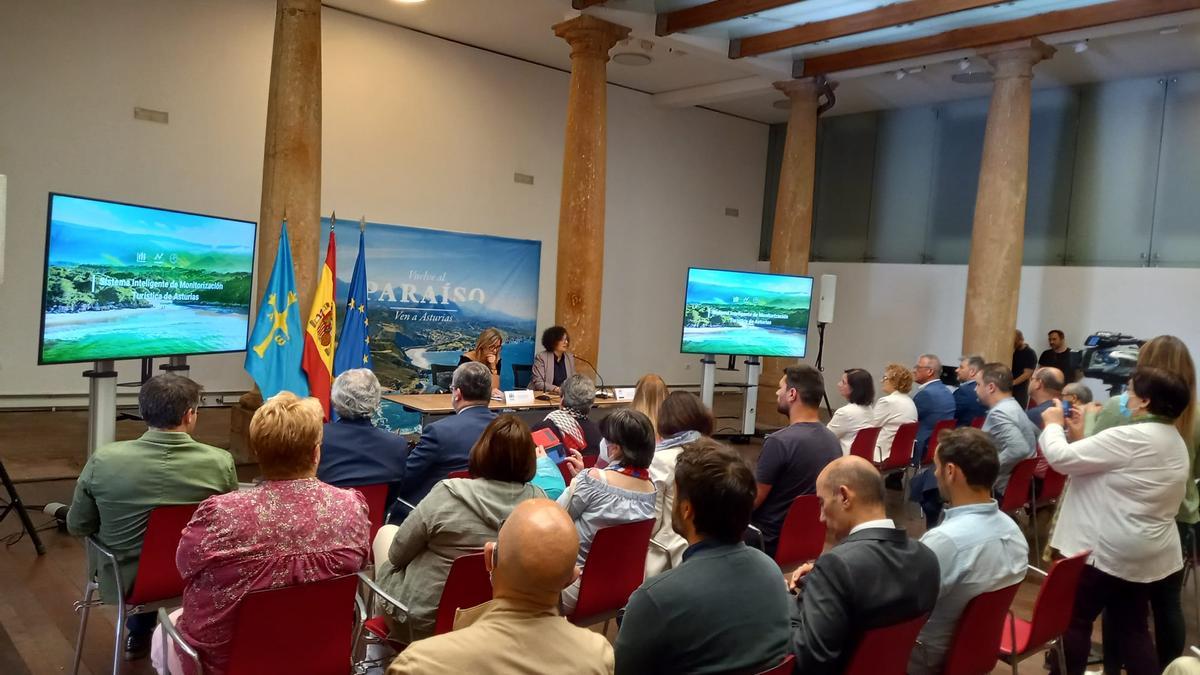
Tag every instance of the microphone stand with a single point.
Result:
(600, 393)
(545, 395)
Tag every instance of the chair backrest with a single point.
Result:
(441, 376)
(522, 374)
(885, 650)
(315, 621)
(463, 473)
(976, 644)
(376, 497)
(1052, 486)
(802, 537)
(1020, 482)
(615, 567)
(784, 668)
(944, 425)
(1056, 599)
(467, 585)
(902, 447)
(157, 576)
(864, 441)
(978, 422)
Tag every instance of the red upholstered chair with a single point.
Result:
(978, 422)
(785, 667)
(460, 474)
(1051, 615)
(885, 650)
(900, 454)
(934, 439)
(590, 460)
(376, 497)
(976, 644)
(615, 567)
(802, 537)
(319, 642)
(864, 441)
(1018, 492)
(157, 582)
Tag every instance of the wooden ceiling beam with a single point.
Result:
(584, 4)
(852, 24)
(974, 37)
(713, 12)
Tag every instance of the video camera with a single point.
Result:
(1111, 358)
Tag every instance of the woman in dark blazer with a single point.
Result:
(553, 366)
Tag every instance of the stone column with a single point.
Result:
(791, 235)
(291, 182)
(581, 215)
(998, 233)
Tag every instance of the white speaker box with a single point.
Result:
(828, 298)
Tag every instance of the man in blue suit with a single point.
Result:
(967, 406)
(933, 400)
(446, 443)
(353, 452)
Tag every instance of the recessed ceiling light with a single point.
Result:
(408, 2)
(632, 59)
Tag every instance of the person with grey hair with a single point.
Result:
(570, 422)
(446, 443)
(933, 400)
(353, 452)
(967, 406)
(1077, 394)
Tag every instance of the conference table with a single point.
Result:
(432, 406)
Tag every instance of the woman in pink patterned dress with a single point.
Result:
(290, 529)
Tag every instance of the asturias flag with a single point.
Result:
(353, 347)
(275, 346)
(319, 332)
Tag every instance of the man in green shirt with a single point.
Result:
(123, 481)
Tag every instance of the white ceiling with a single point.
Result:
(692, 68)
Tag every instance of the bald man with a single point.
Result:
(520, 630)
(1046, 385)
(874, 576)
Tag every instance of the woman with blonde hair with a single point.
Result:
(894, 408)
(648, 397)
(487, 352)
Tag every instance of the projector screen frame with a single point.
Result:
(683, 317)
(46, 278)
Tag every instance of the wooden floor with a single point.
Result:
(37, 624)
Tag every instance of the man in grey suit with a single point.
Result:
(1008, 425)
(875, 576)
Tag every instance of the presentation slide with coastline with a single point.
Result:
(126, 282)
(746, 313)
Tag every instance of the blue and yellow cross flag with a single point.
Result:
(277, 343)
(354, 345)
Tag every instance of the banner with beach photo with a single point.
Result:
(429, 295)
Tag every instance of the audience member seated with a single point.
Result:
(553, 366)
(1127, 483)
(123, 481)
(487, 353)
(289, 529)
(1077, 394)
(571, 422)
(458, 517)
(978, 548)
(874, 576)
(721, 610)
(967, 405)
(1060, 356)
(933, 400)
(858, 388)
(648, 396)
(620, 493)
(683, 420)
(353, 452)
(893, 408)
(1008, 425)
(792, 458)
(1045, 387)
(446, 443)
(1023, 362)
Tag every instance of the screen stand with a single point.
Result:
(750, 405)
(102, 404)
(820, 367)
(708, 379)
(177, 365)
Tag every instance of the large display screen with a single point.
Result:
(746, 313)
(125, 282)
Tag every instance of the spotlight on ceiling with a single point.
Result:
(1080, 47)
(899, 74)
(1169, 30)
(964, 63)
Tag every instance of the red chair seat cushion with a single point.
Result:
(1022, 631)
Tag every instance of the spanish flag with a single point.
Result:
(320, 329)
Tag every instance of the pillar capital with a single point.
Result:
(590, 37)
(803, 89)
(1017, 59)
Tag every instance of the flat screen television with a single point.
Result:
(746, 313)
(123, 281)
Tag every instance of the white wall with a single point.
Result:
(417, 131)
(897, 312)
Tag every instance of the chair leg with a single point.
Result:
(1062, 656)
(84, 607)
(120, 634)
(1013, 662)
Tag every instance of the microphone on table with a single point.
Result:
(545, 395)
(600, 393)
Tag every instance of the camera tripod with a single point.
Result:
(15, 504)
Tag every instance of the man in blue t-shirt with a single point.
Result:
(792, 457)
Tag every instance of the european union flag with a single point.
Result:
(354, 346)
(277, 342)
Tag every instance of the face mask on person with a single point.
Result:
(604, 457)
(1123, 400)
